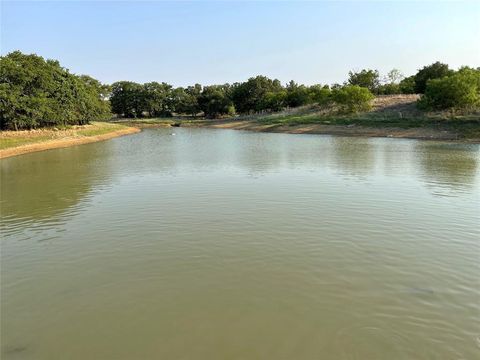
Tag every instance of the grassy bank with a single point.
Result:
(20, 142)
(397, 112)
(390, 116)
(150, 122)
(460, 127)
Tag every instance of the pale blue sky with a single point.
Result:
(216, 42)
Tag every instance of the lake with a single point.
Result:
(223, 244)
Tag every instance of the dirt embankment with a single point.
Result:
(62, 142)
(377, 122)
(339, 130)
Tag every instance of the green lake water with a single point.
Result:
(221, 244)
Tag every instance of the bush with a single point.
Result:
(389, 89)
(407, 85)
(460, 91)
(275, 101)
(297, 95)
(369, 79)
(434, 71)
(321, 95)
(352, 98)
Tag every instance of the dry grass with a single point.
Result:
(20, 142)
(400, 104)
(390, 116)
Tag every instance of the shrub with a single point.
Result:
(369, 79)
(352, 98)
(460, 91)
(275, 101)
(434, 71)
(389, 89)
(297, 95)
(407, 85)
(322, 95)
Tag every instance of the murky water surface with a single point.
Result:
(218, 244)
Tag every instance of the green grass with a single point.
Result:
(6, 143)
(100, 128)
(149, 121)
(11, 139)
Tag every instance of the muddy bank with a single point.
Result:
(340, 130)
(64, 142)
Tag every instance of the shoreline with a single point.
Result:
(420, 133)
(132, 127)
(390, 116)
(63, 142)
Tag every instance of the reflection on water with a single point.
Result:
(217, 244)
(57, 180)
(447, 169)
(45, 184)
(354, 157)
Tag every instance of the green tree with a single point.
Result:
(407, 85)
(188, 100)
(297, 95)
(215, 101)
(321, 95)
(158, 98)
(369, 79)
(388, 89)
(35, 92)
(352, 98)
(93, 99)
(275, 100)
(436, 70)
(250, 96)
(460, 91)
(128, 99)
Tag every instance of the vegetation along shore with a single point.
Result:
(435, 103)
(393, 116)
(14, 143)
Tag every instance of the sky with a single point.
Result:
(183, 43)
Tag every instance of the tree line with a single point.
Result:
(35, 92)
(442, 88)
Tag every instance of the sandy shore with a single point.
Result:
(64, 142)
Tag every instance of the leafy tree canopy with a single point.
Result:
(436, 70)
(407, 85)
(250, 96)
(459, 91)
(369, 79)
(214, 101)
(36, 92)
